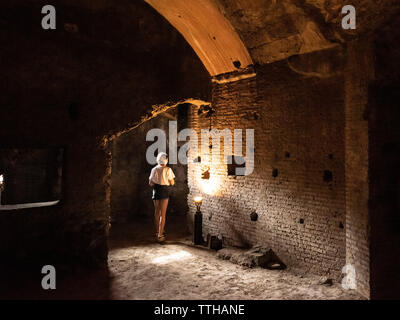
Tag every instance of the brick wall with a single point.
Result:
(359, 73)
(297, 187)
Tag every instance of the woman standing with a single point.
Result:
(161, 178)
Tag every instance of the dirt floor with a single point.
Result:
(142, 269)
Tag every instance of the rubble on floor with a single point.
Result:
(257, 256)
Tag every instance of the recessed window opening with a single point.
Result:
(30, 178)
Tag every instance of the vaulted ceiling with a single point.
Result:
(231, 34)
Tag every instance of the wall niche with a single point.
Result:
(31, 175)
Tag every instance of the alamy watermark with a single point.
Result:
(349, 20)
(49, 280)
(232, 150)
(349, 280)
(49, 20)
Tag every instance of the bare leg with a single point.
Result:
(164, 205)
(157, 213)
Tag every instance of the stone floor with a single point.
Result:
(140, 268)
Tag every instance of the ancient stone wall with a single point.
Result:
(359, 74)
(298, 184)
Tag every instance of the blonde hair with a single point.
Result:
(162, 158)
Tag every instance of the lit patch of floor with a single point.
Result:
(175, 270)
(178, 256)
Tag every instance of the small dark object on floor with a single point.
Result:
(214, 243)
(326, 281)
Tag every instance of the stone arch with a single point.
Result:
(208, 32)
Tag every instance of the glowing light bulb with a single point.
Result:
(198, 199)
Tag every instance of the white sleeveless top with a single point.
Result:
(161, 175)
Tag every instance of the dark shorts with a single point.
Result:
(160, 192)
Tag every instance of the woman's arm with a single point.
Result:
(151, 183)
(171, 179)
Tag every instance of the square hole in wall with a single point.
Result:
(236, 166)
(197, 160)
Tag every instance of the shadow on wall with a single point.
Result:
(240, 236)
(130, 192)
(383, 115)
(385, 190)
